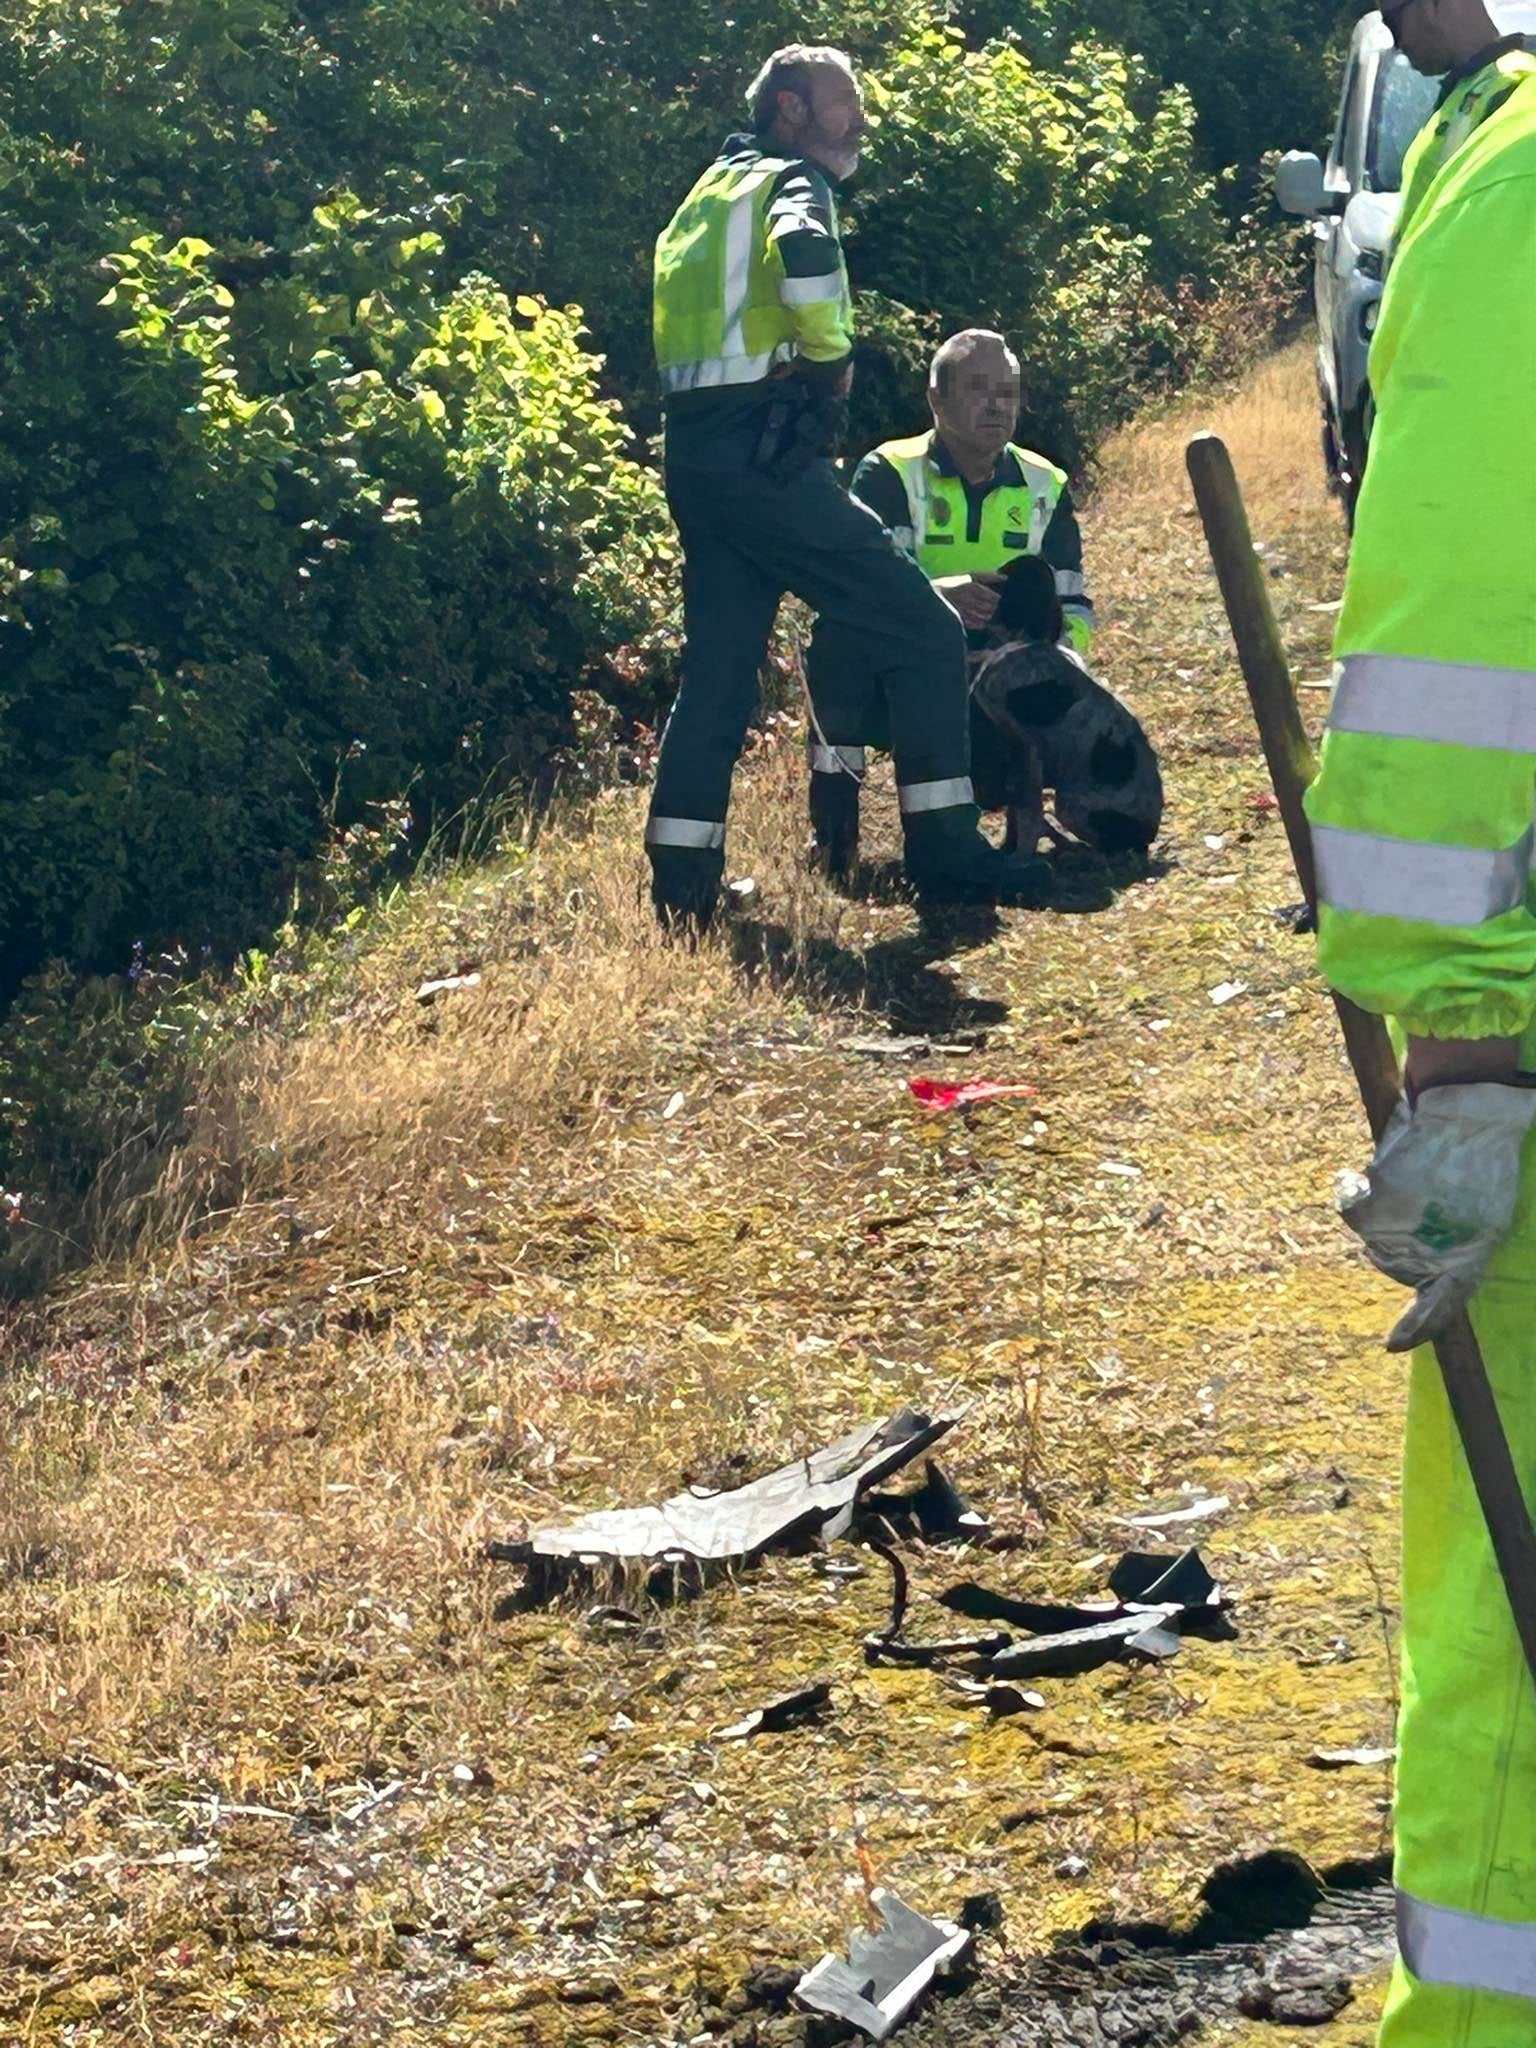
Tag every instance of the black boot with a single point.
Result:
(946, 857)
(685, 889)
(835, 823)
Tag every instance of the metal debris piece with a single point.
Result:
(795, 1710)
(885, 1973)
(812, 1498)
(1348, 1759)
(1086, 1649)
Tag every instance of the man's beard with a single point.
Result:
(840, 158)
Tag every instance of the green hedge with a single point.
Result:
(313, 498)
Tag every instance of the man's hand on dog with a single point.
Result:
(973, 597)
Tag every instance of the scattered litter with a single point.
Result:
(1073, 1867)
(1316, 683)
(1216, 841)
(965, 1094)
(813, 1498)
(450, 984)
(1350, 1759)
(1120, 1167)
(1264, 801)
(1337, 605)
(1161, 1024)
(885, 1973)
(1173, 1518)
(673, 1106)
(744, 888)
(910, 1048)
(1228, 991)
(1299, 918)
(1000, 1701)
(617, 1620)
(796, 1710)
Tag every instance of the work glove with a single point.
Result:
(1439, 1196)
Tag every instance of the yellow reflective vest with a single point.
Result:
(749, 274)
(1463, 109)
(1015, 519)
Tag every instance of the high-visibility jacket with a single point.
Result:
(953, 531)
(1467, 99)
(1422, 828)
(749, 274)
(1422, 813)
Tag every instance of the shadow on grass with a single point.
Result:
(899, 978)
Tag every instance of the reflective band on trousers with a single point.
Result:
(837, 760)
(936, 796)
(1454, 703)
(1416, 881)
(1070, 583)
(1440, 1946)
(702, 834)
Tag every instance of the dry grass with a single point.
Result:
(272, 1768)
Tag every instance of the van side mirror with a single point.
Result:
(1299, 186)
(1370, 220)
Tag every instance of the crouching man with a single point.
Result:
(993, 527)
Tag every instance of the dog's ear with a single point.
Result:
(1028, 606)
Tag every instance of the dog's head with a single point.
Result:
(1027, 606)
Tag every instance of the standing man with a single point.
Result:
(965, 503)
(1422, 825)
(753, 330)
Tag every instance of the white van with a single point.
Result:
(1353, 201)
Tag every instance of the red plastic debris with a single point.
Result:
(1264, 800)
(963, 1094)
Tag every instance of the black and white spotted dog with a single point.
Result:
(1040, 723)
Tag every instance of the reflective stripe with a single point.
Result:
(702, 834)
(935, 796)
(1440, 1946)
(1071, 583)
(811, 291)
(837, 760)
(1454, 703)
(1416, 881)
(721, 370)
(738, 272)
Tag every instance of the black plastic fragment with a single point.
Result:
(1042, 1617)
(1154, 1579)
(795, 1710)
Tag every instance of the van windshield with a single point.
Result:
(1405, 99)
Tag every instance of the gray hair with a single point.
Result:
(789, 70)
(958, 348)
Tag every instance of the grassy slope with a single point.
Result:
(480, 1276)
